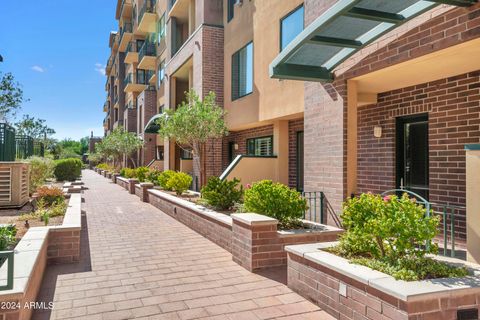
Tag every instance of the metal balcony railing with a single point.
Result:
(148, 49)
(147, 7)
(127, 27)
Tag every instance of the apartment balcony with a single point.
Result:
(179, 9)
(132, 54)
(115, 42)
(125, 36)
(125, 9)
(147, 17)
(137, 82)
(105, 106)
(109, 65)
(147, 55)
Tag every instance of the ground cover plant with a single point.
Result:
(393, 235)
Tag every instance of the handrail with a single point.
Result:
(9, 255)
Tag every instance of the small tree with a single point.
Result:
(11, 96)
(128, 143)
(193, 124)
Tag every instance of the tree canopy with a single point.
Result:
(11, 96)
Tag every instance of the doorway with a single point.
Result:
(412, 154)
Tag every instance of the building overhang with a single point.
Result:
(345, 28)
(152, 126)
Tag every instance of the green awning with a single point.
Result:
(152, 125)
(341, 31)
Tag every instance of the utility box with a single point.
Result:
(14, 184)
(473, 202)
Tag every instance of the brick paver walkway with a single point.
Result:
(138, 262)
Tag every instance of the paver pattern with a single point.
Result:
(138, 262)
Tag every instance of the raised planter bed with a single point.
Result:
(37, 248)
(253, 239)
(350, 291)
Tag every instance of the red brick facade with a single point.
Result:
(294, 127)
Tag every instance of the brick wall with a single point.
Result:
(294, 127)
(63, 245)
(240, 138)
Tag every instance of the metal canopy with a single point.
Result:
(152, 125)
(342, 30)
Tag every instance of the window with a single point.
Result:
(140, 44)
(262, 146)
(134, 13)
(242, 72)
(141, 76)
(186, 154)
(161, 28)
(161, 73)
(159, 155)
(230, 7)
(290, 26)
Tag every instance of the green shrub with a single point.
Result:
(153, 176)
(41, 169)
(7, 236)
(220, 194)
(141, 173)
(163, 179)
(128, 173)
(68, 169)
(275, 200)
(389, 227)
(105, 166)
(50, 195)
(179, 182)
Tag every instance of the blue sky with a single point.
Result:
(57, 50)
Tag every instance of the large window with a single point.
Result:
(290, 26)
(242, 72)
(262, 146)
(162, 28)
(161, 73)
(230, 7)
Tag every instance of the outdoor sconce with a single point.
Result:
(235, 146)
(377, 132)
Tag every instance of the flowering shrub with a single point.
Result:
(50, 195)
(390, 234)
(275, 200)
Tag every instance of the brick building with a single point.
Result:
(332, 96)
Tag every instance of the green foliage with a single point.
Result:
(179, 182)
(153, 176)
(128, 173)
(119, 143)
(413, 269)
(141, 173)
(44, 216)
(105, 166)
(50, 195)
(389, 227)
(163, 179)
(11, 96)
(7, 236)
(41, 169)
(193, 123)
(33, 127)
(68, 169)
(58, 208)
(95, 158)
(220, 194)
(275, 200)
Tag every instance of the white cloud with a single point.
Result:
(100, 68)
(38, 69)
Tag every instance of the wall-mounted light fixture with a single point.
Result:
(235, 146)
(377, 131)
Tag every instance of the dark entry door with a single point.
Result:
(412, 154)
(231, 151)
(300, 160)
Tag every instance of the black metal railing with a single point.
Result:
(316, 206)
(147, 7)
(147, 49)
(7, 142)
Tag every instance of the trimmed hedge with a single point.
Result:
(68, 169)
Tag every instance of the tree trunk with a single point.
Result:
(197, 162)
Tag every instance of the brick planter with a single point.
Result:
(349, 291)
(38, 247)
(114, 177)
(253, 239)
(141, 190)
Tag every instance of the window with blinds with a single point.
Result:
(262, 146)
